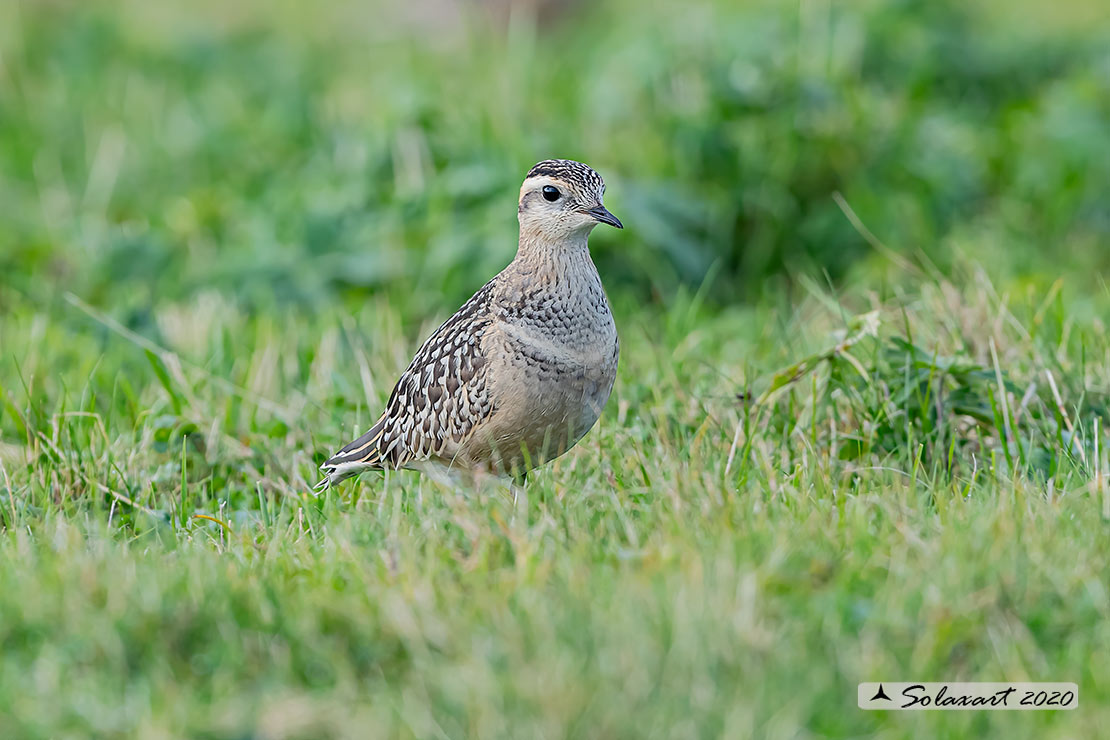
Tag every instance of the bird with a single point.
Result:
(523, 369)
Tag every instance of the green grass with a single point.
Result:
(226, 233)
(642, 590)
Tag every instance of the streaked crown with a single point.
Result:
(569, 171)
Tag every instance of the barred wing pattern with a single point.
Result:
(439, 400)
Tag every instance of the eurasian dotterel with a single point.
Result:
(522, 371)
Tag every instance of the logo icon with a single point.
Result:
(880, 694)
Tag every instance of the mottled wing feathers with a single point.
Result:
(436, 404)
(364, 449)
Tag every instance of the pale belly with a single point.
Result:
(547, 399)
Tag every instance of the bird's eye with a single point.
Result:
(551, 193)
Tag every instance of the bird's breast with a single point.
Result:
(553, 353)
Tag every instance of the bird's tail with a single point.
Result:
(359, 456)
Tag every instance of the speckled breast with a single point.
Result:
(557, 355)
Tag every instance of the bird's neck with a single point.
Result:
(544, 253)
(555, 277)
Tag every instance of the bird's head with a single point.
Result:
(561, 199)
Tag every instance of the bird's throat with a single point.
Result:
(558, 254)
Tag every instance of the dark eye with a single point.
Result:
(551, 193)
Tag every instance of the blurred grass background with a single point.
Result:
(859, 430)
(287, 156)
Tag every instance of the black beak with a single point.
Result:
(605, 217)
